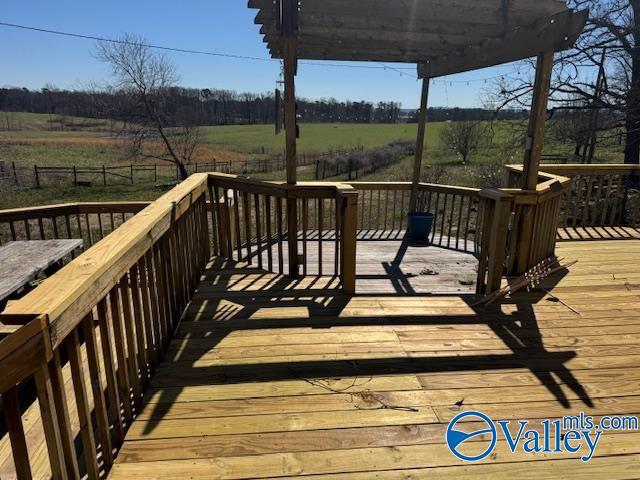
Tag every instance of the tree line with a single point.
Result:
(199, 106)
(226, 107)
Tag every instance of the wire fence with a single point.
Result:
(15, 175)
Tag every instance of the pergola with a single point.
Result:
(442, 37)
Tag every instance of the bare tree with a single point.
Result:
(145, 78)
(464, 138)
(600, 74)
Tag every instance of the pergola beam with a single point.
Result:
(551, 35)
(488, 12)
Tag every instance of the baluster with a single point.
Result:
(151, 346)
(236, 223)
(13, 421)
(453, 208)
(89, 232)
(279, 219)
(320, 234)
(267, 207)
(113, 415)
(305, 227)
(99, 215)
(119, 340)
(256, 204)
(246, 208)
(608, 200)
(436, 213)
(41, 227)
(468, 221)
(587, 203)
(82, 404)
(139, 326)
(459, 222)
(52, 429)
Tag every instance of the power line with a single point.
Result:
(124, 42)
(401, 70)
(172, 49)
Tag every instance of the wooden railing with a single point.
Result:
(384, 206)
(88, 221)
(382, 209)
(111, 311)
(536, 213)
(600, 195)
(252, 219)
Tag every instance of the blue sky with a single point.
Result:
(33, 59)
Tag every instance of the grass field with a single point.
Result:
(47, 140)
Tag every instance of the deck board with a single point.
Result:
(270, 378)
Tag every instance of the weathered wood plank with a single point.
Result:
(23, 261)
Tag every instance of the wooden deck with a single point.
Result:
(269, 377)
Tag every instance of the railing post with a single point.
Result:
(349, 205)
(494, 239)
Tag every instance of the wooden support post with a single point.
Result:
(417, 164)
(289, 15)
(537, 120)
(494, 239)
(35, 170)
(349, 240)
(533, 153)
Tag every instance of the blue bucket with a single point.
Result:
(420, 224)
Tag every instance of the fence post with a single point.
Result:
(15, 173)
(348, 201)
(104, 175)
(35, 169)
(75, 176)
(131, 167)
(155, 172)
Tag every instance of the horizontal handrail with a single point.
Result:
(571, 169)
(18, 214)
